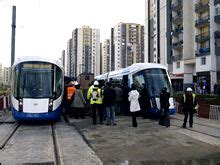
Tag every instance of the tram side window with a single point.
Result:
(59, 85)
(15, 82)
(138, 80)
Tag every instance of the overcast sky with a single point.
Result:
(44, 26)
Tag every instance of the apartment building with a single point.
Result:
(106, 56)
(128, 39)
(195, 42)
(1, 74)
(63, 60)
(85, 51)
(187, 42)
(69, 64)
(158, 32)
(6, 75)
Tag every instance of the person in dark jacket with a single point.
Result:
(189, 103)
(125, 102)
(109, 101)
(118, 92)
(144, 101)
(164, 107)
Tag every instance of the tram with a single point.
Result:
(37, 89)
(153, 76)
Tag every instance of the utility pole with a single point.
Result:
(13, 26)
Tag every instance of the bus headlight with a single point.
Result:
(50, 105)
(20, 106)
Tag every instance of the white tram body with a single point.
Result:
(37, 89)
(154, 76)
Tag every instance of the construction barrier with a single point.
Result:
(214, 112)
(5, 106)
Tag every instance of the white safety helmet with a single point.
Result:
(189, 89)
(96, 83)
(76, 83)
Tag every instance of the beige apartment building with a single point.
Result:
(106, 56)
(195, 42)
(128, 43)
(83, 52)
(192, 41)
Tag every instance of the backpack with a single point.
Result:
(95, 94)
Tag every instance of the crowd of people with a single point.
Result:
(108, 99)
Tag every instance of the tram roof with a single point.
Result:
(38, 59)
(130, 70)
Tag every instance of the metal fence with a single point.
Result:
(214, 112)
(4, 107)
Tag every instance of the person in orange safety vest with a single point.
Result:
(70, 91)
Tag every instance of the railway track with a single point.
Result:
(9, 135)
(34, 143)
(56, 147)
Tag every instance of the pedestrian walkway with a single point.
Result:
(205, 130)
(199, 120)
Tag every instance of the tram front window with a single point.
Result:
(36, 83)
(154, 80)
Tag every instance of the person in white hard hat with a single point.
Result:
(94, 94)
(189, 103)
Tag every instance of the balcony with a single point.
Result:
(177, 30)
(178, 18)
(177, 5)
(202, 37)
(202, 52)
(203, 21)
(201, 7)
(217, 43)
(178, 57)
(216, 2)
(178, 45)
(217, 15)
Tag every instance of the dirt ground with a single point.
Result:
(149, 143)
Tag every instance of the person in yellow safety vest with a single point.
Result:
(94, 94)
(189, 103)
(70, 89)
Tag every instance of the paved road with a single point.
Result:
(149, 143)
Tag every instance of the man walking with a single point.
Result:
(189, 103)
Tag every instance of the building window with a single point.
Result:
(203, 61)
(178, 65)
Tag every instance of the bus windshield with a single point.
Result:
(154, 80)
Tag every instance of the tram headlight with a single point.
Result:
(50, 105)
(20, 105)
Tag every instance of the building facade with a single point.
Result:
(63, 60)
(6, 76)
(158, 32)
(197, 58)
(192, 41)
(1, 74)
(85, 51)
(69, 61)
(106, 56)
(128, 39)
